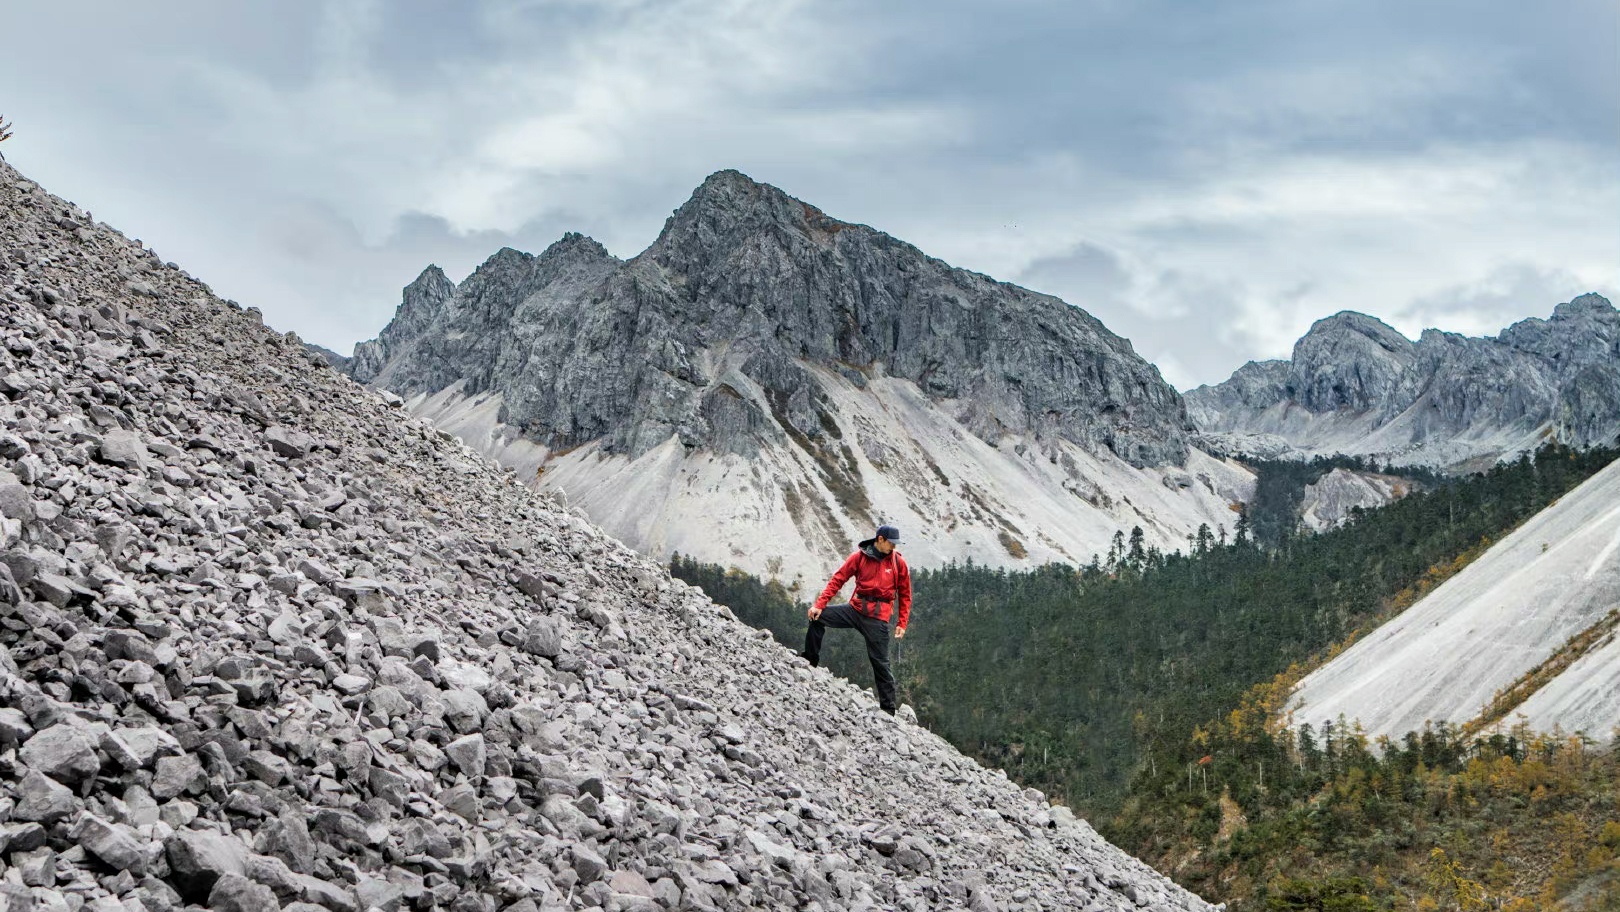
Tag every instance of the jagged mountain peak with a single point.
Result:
(1590, 304)
(427, 292)
(1350, 322)
(431, 275)
(1349, 360)
(421, 303)
(730, 187)
(569, 263)
(423, 298)
(727, 179)
(509, 264)
(1355, 385)
(1586, 329)
(731, 212)
(744, 266)
(729, 192)
(506, 261)
(1434, 337)
(572, 245)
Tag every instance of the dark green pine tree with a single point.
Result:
(1137, 555)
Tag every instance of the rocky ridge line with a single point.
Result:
(743, 289)
(1355, 385)
(270, 643)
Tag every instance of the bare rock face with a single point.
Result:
(746, 279)
(1354, 385)
(1334, 498)
(268, 642)
(1349, 361)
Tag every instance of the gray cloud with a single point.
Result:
(1208, 179)
(1484, 307)
(1187, 324)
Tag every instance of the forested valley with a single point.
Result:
(1144, 689)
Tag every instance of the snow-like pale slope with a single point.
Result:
(1444, 658)
(954, 496)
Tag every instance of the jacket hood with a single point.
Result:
(869, 548)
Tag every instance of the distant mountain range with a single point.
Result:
(1356, 386)
(765, 383)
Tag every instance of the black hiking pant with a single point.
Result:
(876, 633)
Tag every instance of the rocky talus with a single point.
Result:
(271, 643)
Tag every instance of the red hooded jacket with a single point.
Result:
(880, 580)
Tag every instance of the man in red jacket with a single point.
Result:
(882, 579)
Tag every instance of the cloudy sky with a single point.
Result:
(1206, 178)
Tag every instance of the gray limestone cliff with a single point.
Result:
(1356, 385)
(748, 288)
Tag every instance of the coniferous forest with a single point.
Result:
(1143, 690)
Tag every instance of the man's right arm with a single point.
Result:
(839, 578)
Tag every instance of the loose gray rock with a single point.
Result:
(590, 866)
(177, 775)
(351, 684)
(235, 893)
(124, 449)
(198, 859)
(464, 709)
(468, 754)
(266, 766)
(543, 638)
(147, 742)
(112, 843)
(378, 893)
(625, 882)
(288, 838)
(66, 753)
(287, 442)
(58, 589)
(37, 868)
(131, 645)
(22, 837)
(17, 502)
(14, 727)
(43, 800)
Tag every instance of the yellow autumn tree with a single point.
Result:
(1446, 878)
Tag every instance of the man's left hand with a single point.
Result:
(899, 633)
